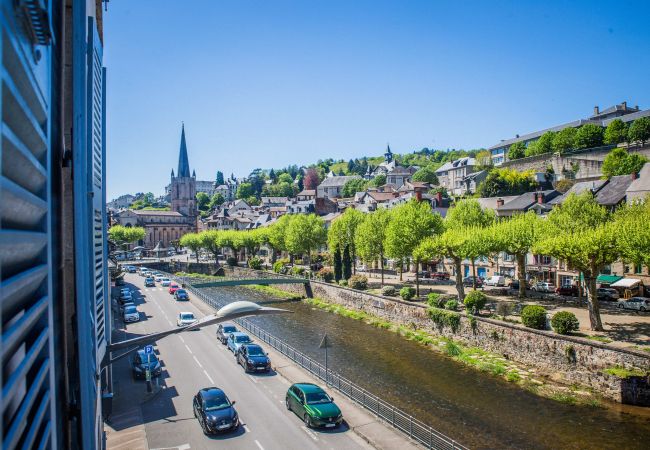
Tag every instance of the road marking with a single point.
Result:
(259, 445)
(180, 447)
(253, 378)
(188, 349)
(208, 375)
(309, 433)
(248, 430)
(181, 338)
(197, 361)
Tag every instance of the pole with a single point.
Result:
(326, 377)
(148, 373)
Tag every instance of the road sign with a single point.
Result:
(148, 349)
(325, 342)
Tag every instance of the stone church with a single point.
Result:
(166, 226)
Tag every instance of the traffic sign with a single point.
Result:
(324, 343)
(148, 349)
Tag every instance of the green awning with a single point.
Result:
(607, 279)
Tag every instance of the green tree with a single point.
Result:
(338, 265)
(219, 178)
(504, 181)
(211, 242)
(353, 186)
(517, 150)
(193, 242)
(469, 213)
(589, 135)
(426, 174)
(346, 263)
(450, 244)
(202, 201)
(305, 232)
(564, 140)
(231, 239)
(616, 132)
(517, 236)
(122, 236)
(411, 223)
(342, 232)
(542, 145)
(285, 178)
(245, 191)
(620, 162)
(640, 130)
(580, 232)
(276, 234)
(370, 237)
(216, 201)
(379, 180)
(633, 232)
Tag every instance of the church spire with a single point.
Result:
(183, 163)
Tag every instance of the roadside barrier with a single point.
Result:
(404, 422)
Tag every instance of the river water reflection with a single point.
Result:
(476, 409)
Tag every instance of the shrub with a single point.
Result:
(407, 292)
(451, 305)
(343, 282)
(389, 291)
(326, 274)
(475, 301)
(433, 299)
(445, 318)
(231, 261)
(359, 282)
(297, 270)
(279, 265)
(564, 322)
(255, 263)
(534, 316)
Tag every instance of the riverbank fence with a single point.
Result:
(409, 425)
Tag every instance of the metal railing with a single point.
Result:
(409, 425)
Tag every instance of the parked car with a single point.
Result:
(141, 361)
(568, 290)
(181, 295)
(125, 294)
(158, 278)
(236, 339)
(173, 287)
(215, 412)
(424, 274)
(496, 280)
(635, 303)
(609, 294)
(130, 314)
(125, 304)
(224, 330)
(185, 318)
(543, 286)
(469, 281)
(253, 358)
(149, 282)
(440, 275)
(165, 282)
(312, 404)
(141, 270)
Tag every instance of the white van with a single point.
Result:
(496, 280)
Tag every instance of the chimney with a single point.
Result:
(499, 202)
(418, 196)
(624, 105)
(540, 197)
(596, 110)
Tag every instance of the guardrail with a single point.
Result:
(409, 425)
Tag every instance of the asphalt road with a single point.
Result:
(194, 360)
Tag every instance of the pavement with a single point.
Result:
(193, 360)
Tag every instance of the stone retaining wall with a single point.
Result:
(566, 359)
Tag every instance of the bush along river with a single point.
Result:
(475, 408)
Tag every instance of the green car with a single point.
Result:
(313, 405)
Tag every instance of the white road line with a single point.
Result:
(309, 433)
(181, 338)
(197, 361)
(253, 379)
(208, 375)
(259, 445)
(248, 430)
(188, 349)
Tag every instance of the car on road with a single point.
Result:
(165, 282)
(125, 294)
(635, 303)
(236, 339)
(215, 412)
(185, 318)
(609, 294)
(181, 295)
(543, 286)
(141, 270)
(440, 275)
(424, 274)
(173, 287)
(224, 330)
(149, 282)
(469, 281)
(131, 269)
(569, 290)
(130, 314)
(312, 404)
(142, 361)
(253, 358)
(158, 278)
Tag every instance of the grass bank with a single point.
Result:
(273, 291)
(479, 359)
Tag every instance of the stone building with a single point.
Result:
(168, 226)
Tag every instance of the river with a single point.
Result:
(477, 409)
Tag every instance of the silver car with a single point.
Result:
(635, 303)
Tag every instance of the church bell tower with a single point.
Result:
(183, 189)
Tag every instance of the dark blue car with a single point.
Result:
(253, 358)
(215, 412)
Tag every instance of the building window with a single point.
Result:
(542, 260)
(607, 270)
(638, 269)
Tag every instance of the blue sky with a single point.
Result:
(270, 83)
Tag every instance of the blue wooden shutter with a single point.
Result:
(26, 334)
